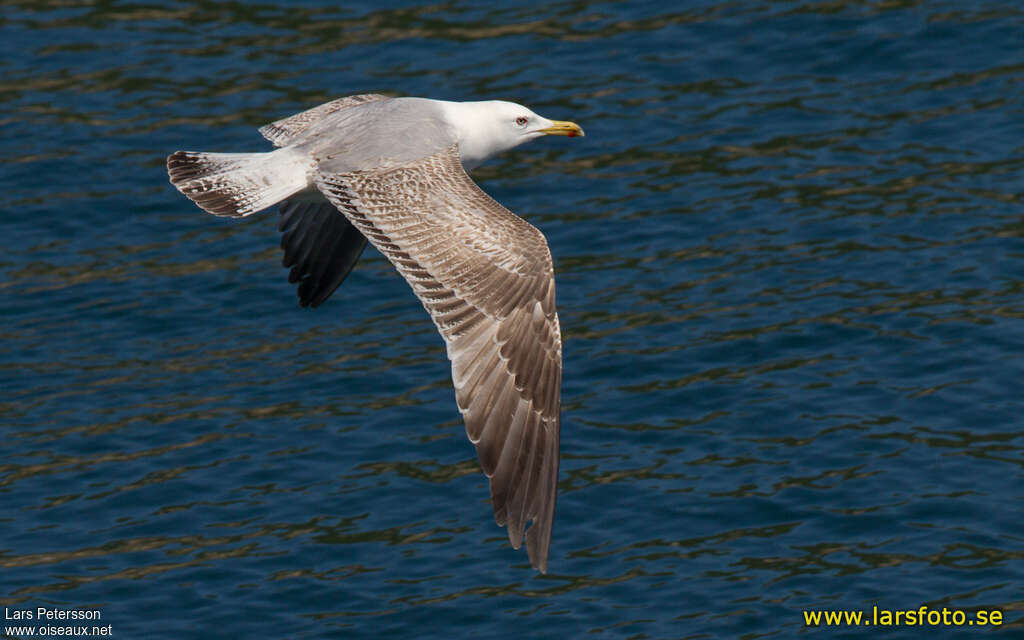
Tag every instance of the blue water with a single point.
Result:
(789, 256)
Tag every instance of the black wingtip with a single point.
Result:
(320, 246)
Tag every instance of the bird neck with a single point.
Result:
(474, 124)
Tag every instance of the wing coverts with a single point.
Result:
(485, 277)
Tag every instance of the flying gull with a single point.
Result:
(393, 171)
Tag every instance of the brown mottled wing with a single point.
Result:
(485, 276)
(282, 132)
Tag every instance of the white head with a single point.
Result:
(487, 128)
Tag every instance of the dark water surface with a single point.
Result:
(789, 257)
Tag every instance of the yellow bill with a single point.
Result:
(561, 128)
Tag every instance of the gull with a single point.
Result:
(392, 171)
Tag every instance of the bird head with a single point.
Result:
(488, 128)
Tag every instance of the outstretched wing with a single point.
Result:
(486, 278)
(282, 132)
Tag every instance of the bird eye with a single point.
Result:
(521, 121)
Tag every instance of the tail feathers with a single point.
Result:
(238, 184)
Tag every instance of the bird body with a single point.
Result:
(392, 171)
